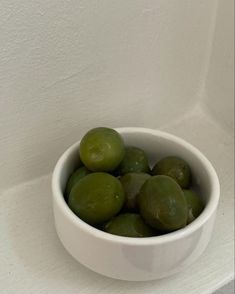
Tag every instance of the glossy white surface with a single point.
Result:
(135, 259)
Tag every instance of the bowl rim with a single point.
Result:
(208, 211)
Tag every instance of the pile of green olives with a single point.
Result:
(115, 190)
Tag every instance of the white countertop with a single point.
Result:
(32, 259)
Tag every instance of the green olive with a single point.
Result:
(195, 205)
(132, 182)
(174, 167)
(129, 225)
(134, 161)
(162, 204)
(102, 149)
(74, 179)
(97, 198)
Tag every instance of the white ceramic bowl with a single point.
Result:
(138, 259)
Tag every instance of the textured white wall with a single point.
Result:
(66, 66)
(220, 80)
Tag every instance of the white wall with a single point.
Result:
(220, 79)
(228, 289)
(66, 66)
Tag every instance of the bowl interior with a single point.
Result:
(159, 146)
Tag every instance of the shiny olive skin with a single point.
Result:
(174, 167)
(162, 204)
(102, 149)
(195, 205)
(129, 225)
(97, 198)
(132, 183)
(74, 179)
(134, 161)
